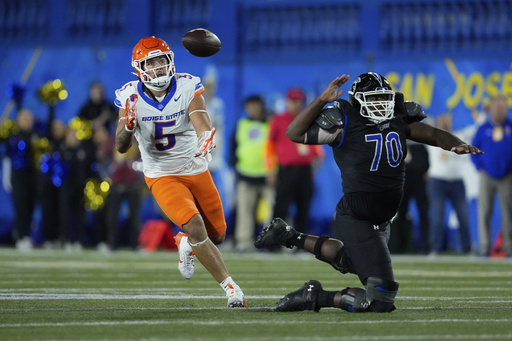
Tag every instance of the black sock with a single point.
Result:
(297, 240)
(325, 299)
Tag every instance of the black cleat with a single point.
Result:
(275, 234)
(301, 299)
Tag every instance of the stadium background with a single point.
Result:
(445, 55)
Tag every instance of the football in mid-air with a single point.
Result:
(201, 43)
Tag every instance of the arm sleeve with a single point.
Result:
(317, 135)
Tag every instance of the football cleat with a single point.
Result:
(301, 299)
(236, 298)
(186, 255)
(275, 234)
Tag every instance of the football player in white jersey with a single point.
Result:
(166, 113)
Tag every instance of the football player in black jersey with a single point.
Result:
(368, 138)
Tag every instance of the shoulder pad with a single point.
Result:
(415, 112)
(329, 117)
(346, 107)
(123, 93)
(412, 111)
(185, 76)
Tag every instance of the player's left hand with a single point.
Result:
(466, 149)
(206, 143)
(331, 93)
(130, 114)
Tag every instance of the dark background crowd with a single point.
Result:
(64, 186)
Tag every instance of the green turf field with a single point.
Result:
(56, 295)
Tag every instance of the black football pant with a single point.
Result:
(366, 245)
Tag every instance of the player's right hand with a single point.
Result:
(206, 143)
(331, 93)
(131, 117)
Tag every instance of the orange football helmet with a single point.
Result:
(149, 48)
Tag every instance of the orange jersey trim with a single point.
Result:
(198, 92)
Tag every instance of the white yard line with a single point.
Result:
(348, 338)
(506, 290)
(238, 322)
(258, 308)
(186, 296)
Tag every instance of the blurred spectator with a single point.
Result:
(296, 164)
(127, 183)
(23, 180)
(72, 209)
(494, 138)
(215, 108)
(446, 182)
(98, 109)
(222, 176)
(416, 167)
(51, 181)
(100, 170)
(247, 157)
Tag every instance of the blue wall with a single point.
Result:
(446, 55)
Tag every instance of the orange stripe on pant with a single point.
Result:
(180, 197)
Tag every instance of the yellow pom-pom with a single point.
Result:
(96, 193)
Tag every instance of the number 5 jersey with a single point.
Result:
(166, 137)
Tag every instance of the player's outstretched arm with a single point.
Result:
(300, 124)
(203, 126)
(199, 116)
(424, 133)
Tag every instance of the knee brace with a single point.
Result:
(354, 300)
(341, 262)
(381, 294)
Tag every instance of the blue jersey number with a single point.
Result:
(393, 149)
(159, 134)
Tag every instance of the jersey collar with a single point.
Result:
(158, 105)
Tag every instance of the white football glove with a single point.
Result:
(131, 116)
(205, 143)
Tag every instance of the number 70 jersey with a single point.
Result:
(371, 156)
(166, 137)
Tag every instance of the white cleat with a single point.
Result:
(186, 255)
(236, 298)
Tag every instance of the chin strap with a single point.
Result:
(157, 87)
